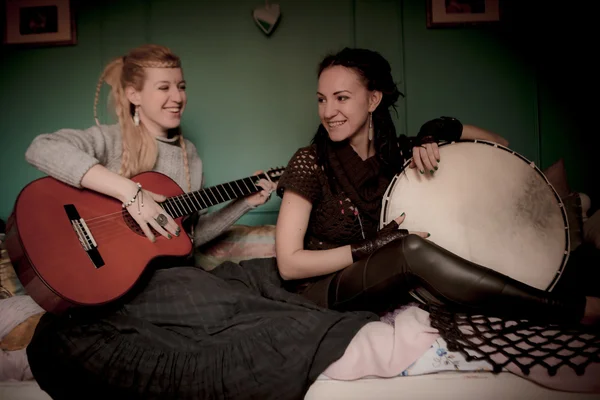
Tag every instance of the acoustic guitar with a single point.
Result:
(75, 247)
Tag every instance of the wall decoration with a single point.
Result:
(267, 17)
(460, 13)
(35, 23)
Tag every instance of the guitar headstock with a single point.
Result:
(275, 173)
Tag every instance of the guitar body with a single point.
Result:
(53, 264)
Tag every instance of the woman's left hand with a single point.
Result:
(426, 158)
(263, 196)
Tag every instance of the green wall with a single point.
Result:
(471, 74)
(251, 98)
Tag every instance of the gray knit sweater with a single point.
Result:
(68, 154)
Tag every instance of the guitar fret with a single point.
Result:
(194, 194)
(238, 186)
(256, 188)
(206, 197)
(244, 182)
(165, 206)
(178, 208)
(174, 206)
(181, 203)
(191, 202)
(162, 205)
(230, 192)
(220, 194)
(214, 198)
(205, 205)
(216, 189)
(187, 203)
(186, 199)
(228, 196)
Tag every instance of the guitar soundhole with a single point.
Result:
(133, 225)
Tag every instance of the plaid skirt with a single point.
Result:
(232, 333)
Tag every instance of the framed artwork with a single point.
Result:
(34, 23)
(460, 13)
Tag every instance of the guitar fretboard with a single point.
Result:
(187, 203)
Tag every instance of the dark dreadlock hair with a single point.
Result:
(376, 74)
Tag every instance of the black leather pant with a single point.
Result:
(378, 282)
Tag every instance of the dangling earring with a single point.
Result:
(370, 126)
(136, 116)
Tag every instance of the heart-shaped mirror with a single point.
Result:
(267, 17)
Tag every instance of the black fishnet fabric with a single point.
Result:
(302, 175)
(335, 219)
(522, 343)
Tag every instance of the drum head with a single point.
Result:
(488, 205)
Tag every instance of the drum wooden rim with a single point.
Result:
(386, 201)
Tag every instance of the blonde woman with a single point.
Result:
(149, 96)
(186, 333)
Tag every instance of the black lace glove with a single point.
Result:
(444, 128)
(387, 234)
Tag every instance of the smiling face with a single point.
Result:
(345, 103)
(161, 100)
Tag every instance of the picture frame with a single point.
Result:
(462, 13)
(37, 23)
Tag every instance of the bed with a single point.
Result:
(439, 373)
(447, 385)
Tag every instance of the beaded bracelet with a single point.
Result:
(130, 202)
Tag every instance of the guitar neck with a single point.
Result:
(188, 203)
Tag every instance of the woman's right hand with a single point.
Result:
(144, 208)
(147, 213)
(387, 234)
(399, 221)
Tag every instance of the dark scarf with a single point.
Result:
(364, 182)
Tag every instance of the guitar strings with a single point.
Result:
(108, 233)
(109, 227)
(100, 220)
(182, 202)
(105, 236)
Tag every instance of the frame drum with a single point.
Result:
(489, 205)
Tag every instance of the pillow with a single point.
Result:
(9, 282)
(586, 204)
(238, 243)
(557, 176)
(572, 203)
(14, 366)
(20, 336)
(4, 293)
(20, 316)
(591, 229)
(16, 310)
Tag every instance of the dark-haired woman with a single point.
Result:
(329, 248)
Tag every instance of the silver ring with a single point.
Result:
(161, 220)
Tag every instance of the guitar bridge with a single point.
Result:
(84, 235)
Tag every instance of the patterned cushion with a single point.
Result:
(9, 283)
(557, 176)
(20, 336)
(592, 229)
(238, 243)
(572, 203)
